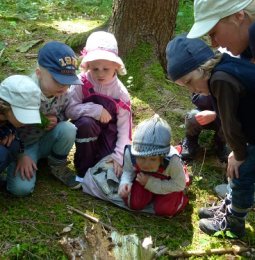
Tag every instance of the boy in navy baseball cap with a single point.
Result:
(60, 61)
(55, 73)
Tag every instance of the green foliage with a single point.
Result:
(24, 21)
(224, 234)
(55, 9)
(44, 121)
(135, 63)
(184, 18)
(206, 139)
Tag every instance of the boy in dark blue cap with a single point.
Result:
(230, 81)
(56, 69)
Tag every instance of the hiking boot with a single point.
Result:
(225, 222)
(65, 175)
(214, 210)
(189, 147)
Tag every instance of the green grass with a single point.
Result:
(31, 227)
(185, 16)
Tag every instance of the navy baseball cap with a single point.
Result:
(60, 60)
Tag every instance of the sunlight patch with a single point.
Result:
(75, 26)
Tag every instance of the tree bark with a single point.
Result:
(152, 21)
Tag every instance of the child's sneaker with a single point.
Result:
(225, 222)
(65, 175)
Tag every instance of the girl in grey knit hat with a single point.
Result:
(153, 172)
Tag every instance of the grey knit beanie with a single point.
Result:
(152, 137)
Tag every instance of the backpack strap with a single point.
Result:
(124, 105)
(128, 147)
(87, 87)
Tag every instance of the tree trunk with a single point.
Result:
(135, 21)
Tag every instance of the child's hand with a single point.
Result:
(205, 117)
(26, 166)
(233, 166)
(117, 168)
(53, 120)
(142, 178)
(124, 190)
(6, 141)
(105, 116)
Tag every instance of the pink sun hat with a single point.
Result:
(102, 46)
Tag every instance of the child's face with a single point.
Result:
(102, 71)
(49, 86)
(149, 163)
(194, 82)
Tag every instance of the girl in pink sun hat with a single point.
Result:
(100, 108)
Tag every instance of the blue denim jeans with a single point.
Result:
(57, 142)
(243, 188)
(8, 154)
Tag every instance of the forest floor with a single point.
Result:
(45, 224)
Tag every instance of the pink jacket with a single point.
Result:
(116, 90)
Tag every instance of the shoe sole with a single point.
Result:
(76, 187)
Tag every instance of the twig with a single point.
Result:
(33, 255)
(202, 163)
(15, 18)
(31, 55)
(42, 233)
(91, 218)
(1, 52)
(161, 251)
(27, 221)
(215, 251)
(28, 224)
(166, 104)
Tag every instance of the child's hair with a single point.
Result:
(5, 107)
(209, 65)
(102, 46)
(152, 138)
(250, 10)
